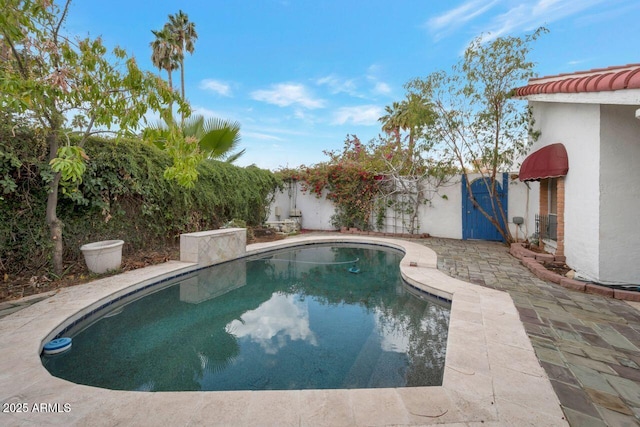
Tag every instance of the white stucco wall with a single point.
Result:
(442, 217)
(577, 127)
(520, 196)
(533, 207)
(620, 194)
(316, 212)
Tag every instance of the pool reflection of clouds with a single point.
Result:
(280, 317)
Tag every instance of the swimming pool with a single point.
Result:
(492, 375)
(317, 317)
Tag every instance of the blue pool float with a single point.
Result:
(58, 345)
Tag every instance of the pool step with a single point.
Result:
(386, 373)
(362, 368)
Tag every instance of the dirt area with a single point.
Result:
(16, 287)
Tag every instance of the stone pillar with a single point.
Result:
(214, 246)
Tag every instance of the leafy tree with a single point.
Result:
(69, 90)
(480, 125)
(183, 38)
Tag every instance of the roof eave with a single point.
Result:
(618, 97)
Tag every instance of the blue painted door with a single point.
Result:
(474, 224)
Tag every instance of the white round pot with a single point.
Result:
(103, 256)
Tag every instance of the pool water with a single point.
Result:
(317, 317)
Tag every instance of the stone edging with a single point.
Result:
(533, 261)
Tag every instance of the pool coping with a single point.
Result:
(492, 375)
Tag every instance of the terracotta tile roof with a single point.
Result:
(596, 80)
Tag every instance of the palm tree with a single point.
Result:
(183, 37)
(216, 138)
(391, 122)
(411, 114)
(163, 53)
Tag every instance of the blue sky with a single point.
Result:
(300, 75)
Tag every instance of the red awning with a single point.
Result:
(548, 162)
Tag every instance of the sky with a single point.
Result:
(299, 76)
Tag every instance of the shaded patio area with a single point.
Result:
(588, 345)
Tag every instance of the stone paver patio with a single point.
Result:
(589, 345)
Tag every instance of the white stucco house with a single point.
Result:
(584, 170)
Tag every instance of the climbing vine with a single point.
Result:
(349, 179)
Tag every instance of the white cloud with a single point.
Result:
(533, 14)
(359, 115)
(285, 94)
(381, 88)
(207, 113)
(337, 84)
(261, 136)
(216, 86)
(519, 16)
(282, 131)
(460, 15)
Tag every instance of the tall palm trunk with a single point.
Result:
(182, 75)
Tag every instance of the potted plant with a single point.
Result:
(103, 256)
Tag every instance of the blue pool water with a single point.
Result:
(295, 319)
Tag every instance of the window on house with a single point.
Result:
(552, 226)
(547, 224)
(553, 196)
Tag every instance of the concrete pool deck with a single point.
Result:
(492, 375)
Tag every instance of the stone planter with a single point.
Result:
(103, 256)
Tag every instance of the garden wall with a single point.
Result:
(441, 217)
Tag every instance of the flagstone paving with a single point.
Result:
(589, 345)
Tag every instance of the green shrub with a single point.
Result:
(123, 195)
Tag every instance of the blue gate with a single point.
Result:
(474, 224)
